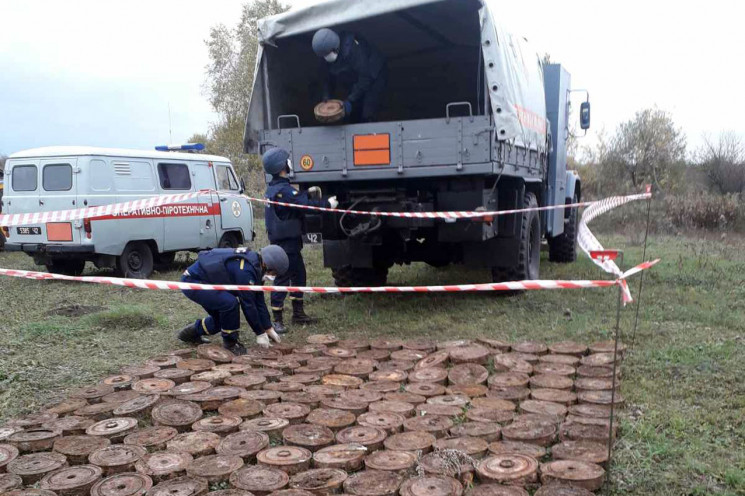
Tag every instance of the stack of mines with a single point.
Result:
(363, 418)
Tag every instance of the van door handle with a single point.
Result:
(41, 202)
(223, 199)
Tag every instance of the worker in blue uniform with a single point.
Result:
(284, 226)
(356, 65)
(238, 266)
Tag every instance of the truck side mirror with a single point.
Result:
(243, 186)
(584, 116)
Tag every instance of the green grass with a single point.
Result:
(683, 431)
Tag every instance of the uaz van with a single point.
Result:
(63, 178)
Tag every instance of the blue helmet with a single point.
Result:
(275, 258)
(275, 160)
(325, 41)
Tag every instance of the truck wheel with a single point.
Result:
(229, 240)
(345, 277)
(136, 261)
(66, 267)
(529, 254)
(563, 248)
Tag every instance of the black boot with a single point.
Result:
(235, 347)
(190, 335)
(299, 316)
(278, 324)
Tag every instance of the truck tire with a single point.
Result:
(136, 261)
(229, 240)
(529, 248)
(66, 267)
(563, 248)
(346, 277)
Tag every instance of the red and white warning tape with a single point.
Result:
(586, 240)
(112, 210)
(589, 243)
(458, 288)
(455, 214)
(132, 207)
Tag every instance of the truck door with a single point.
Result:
(21, 195)
(235, 211)
(204, 178)
(59, 192)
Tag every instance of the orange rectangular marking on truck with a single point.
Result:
(59, 231)
(372, 149)
(372, 157)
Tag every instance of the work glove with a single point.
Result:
(347, 107)
(263, 341)
(314, 192)
(333, 202)
(273, 335)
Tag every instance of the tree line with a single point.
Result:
(650, 148)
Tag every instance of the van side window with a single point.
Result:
(225, 179)
(25, 178)
(57, 177)
(174, 176)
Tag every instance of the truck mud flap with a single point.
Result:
(496, 252)
(340, 253)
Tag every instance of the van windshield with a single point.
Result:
(225, 179)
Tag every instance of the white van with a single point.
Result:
(63, 178)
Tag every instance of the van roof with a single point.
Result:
(69, 151)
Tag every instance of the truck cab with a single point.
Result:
(471, 119)
(133, 243)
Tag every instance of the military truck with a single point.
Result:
(472, 120)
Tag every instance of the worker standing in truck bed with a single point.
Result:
(284, 227)
(358, 66)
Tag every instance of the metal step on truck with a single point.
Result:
(470, 120)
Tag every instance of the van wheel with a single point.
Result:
(66, 267)
(136, 261)
(229, 240)
(529, 249)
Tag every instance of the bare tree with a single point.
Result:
(723, 162)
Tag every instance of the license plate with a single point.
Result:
(313, 239)
(29, 231)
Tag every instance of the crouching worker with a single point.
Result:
(233, 266)
(284, 226)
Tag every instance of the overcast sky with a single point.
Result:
(103, 73)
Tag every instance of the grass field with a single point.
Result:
(684, 428)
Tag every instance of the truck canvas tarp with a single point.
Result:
(435, 50)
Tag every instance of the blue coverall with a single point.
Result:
(362, 70)
(284, 227)
(240, 267)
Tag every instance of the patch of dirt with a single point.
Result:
(74, 310)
